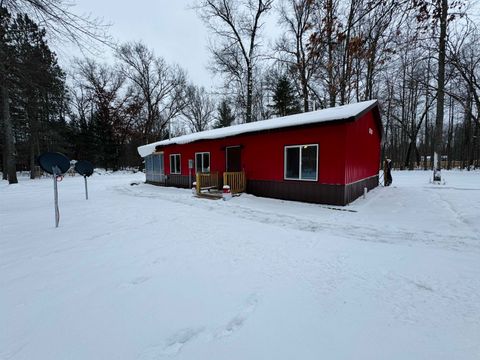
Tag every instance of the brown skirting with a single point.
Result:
(355, 190)
(311, 192)
(180, 181)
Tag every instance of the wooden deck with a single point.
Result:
(208, 185)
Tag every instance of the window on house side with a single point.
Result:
(301, 162)
(175, 164)
(202, 162)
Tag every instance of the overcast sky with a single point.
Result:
(169, 27)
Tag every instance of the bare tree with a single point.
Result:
(464, 56)
(436, 12)
(161, 86)
(199, 109)
(236, 25)
(114, 109)
(297, 16)
(61, 22)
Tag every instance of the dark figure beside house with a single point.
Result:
(388, 172)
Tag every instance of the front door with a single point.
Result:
(234, 158)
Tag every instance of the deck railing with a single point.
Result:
(236, 181)
(206, 181)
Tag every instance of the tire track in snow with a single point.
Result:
(456, 214)
(350, 231)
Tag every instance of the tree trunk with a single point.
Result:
(8, 132)
(32, 160)
(4, 164)
(305, 91)
(408, 164)
(332, 89)
(32, 121)
(438, 147)
(248, 117)
(468, 148)
(475, 147)
(450, 135)
(346, 63)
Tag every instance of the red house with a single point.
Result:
(327, 156)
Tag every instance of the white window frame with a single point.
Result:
(299, 162)
(209, 161)
(177, 171)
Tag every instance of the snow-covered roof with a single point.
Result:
(343, 112)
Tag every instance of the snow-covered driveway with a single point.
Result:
(143, 272)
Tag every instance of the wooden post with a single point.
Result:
(198, 183)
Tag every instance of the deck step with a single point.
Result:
(217, 195)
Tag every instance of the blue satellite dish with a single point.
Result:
(54, 163)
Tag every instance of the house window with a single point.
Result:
(202, 162)
(301, 162)
(175, 164)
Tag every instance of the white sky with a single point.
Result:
(168, 27)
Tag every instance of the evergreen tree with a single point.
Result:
(33, 95)
(38, 98)
(225, 115)
(284, 100)
(9, 165)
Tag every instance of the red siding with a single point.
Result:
(363, 148)
(348, 152)
(263, 153)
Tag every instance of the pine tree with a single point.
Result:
(39, 92)
(6, 55)
(284, 100)
(225, 115)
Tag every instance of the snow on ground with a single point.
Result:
(144, 272)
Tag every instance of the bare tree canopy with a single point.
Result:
(161, 86)
(199, 109)
(235, 48)
(61, 22)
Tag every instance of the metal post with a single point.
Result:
(190, 167)
(55, 191)
(86, 188)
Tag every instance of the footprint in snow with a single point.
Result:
(173, 345)
(177, 342)
(238, 320)
(135, 281)
(139, 280)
